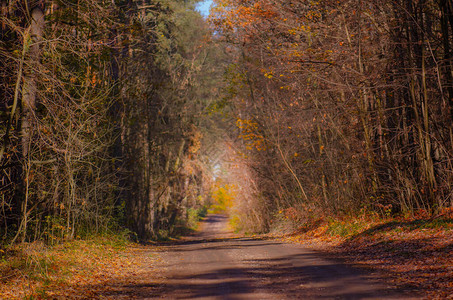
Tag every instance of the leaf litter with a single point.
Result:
(410, 254)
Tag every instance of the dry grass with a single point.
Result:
(71, 270)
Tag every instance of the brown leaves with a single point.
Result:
(76, 270)
(412, 254)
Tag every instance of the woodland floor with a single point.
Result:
(404, 256)
(415, 255)
(94, 269)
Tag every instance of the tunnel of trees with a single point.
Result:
(133, 113)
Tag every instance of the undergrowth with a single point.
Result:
(184, 226)
(29, 270)
(349, 227)
(195, 215)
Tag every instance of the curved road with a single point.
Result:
(215, 265)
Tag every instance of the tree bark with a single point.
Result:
(29, 104)
(29, 87)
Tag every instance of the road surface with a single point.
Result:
(215, 265)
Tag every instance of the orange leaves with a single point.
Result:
(231, 15)
(250, 134)
(256, 13)
(78, 269)
(402, 251)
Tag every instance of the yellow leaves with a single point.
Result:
(313, 15)
(223, 195)
(268, 73)
(246, 124)
(302, 28)
(305, 28)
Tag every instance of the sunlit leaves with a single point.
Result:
(249, 133)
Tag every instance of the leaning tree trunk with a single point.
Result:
(29, 89)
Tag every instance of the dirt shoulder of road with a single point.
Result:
(413, 254)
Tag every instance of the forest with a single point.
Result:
(138, 115)
(343, 108)
(125, 123)
(102, 108)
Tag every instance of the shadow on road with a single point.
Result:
(276, 274)
(214, 265)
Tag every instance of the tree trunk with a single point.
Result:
(29, 87)
(28, 106)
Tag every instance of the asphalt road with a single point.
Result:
(216, 265)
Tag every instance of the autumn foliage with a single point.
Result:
(341, 106)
